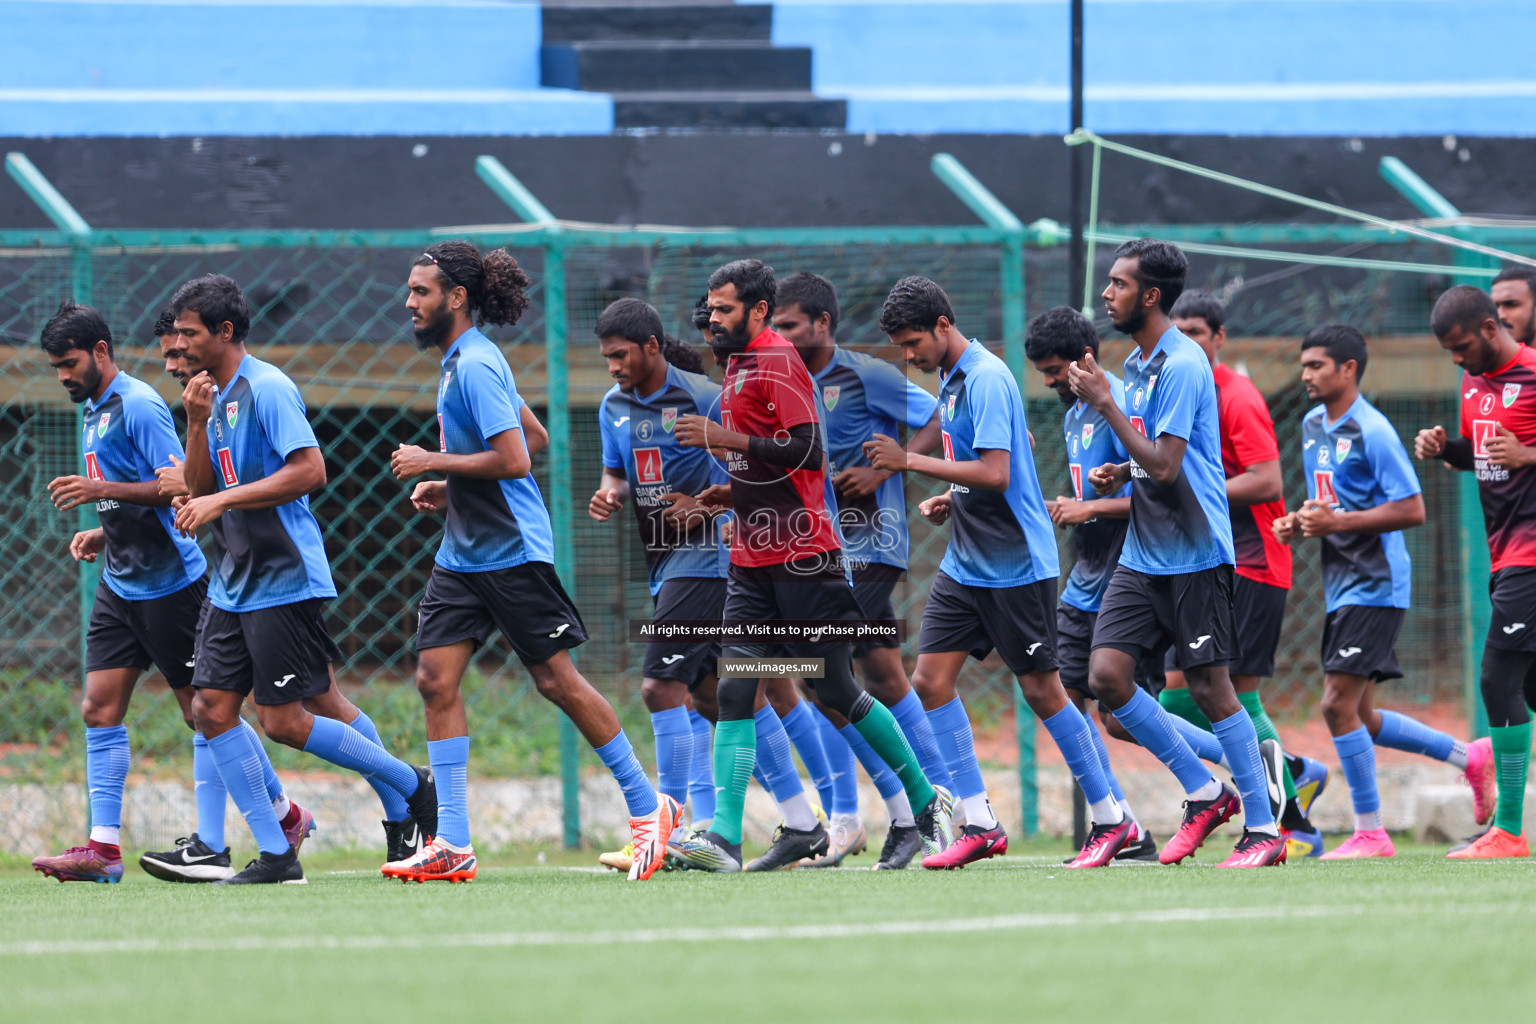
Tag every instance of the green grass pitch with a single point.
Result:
(1019, 938)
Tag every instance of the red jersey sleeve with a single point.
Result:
(1246, 421)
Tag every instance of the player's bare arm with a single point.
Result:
(695, 431)
(506, 459)
(172, 479)
(716, 496)
(1068, 511)
(430, 497)
(990, 472)
(685, 511)
(87, 544)
(197, 400)
(303, 473)
(1318, 518)
(535, 437)
(69, 492)
(937, 508)
(1256, 484)
(1162, 457)
(609, 496)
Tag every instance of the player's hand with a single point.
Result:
(1066, 511)
(859, 481)
(936, 509)
(410, 460)
(716, 496)
(1089, 382)
(173, 478)
(693, 431)
(885, 453)
(1506, 451)
(430, 497)
(70, 492)
(87, 544)
(1317, 518)
(1110, 477)
(683, 510)
(727, 531)
(1430, 444)
(605, 502)
(1285, 528)
(197, 397)
(197, 513)
(179, 502)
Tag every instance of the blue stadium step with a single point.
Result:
(712, 21)
(727, 110)
(119, 112)
(683, 65)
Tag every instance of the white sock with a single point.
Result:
(797, 813)
(1210, 791)
(848, 821)
(1458, 758)
(280, 807)
(1272, 829)
(449, 846)
(1125, 809)
(106, 834)
(978, 811)
(900, 809)
(1106, 812)
(1368, 822)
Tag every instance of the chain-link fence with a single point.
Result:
(329, 310)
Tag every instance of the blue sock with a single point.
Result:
(209, 793)
(1204, 744)
(952, 733)
(239, 765)
(450, 768)
(1241, 742)
(345, 747)
(674, 751)
(269, 778)
(106, 772)
(1357, 755)
(619, 756)
(804, 732)
(775, 767)
(1103, 752)
(1071, 732)
(1403, 733)
(1144, 718)
(919, 732)
(395, 807)
(879, 772)
(845, 776)
(701, 777)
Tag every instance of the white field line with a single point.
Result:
(758, 933)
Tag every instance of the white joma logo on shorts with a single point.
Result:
(1195, 645)
(1514, 627)
(672, 658)
(1032, 646)
(284, 681)
(1348, 652)
(561, 629)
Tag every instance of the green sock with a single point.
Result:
(1511, 756)
(734, 754)
(1266, 730)
(1179, 702)
(881, 732)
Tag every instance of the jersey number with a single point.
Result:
(648, 465)
(1322, 480)
(92, 467)
(227, 467)
(1077, 480)
(949, 447)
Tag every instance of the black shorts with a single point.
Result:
(1192, 612)
(1258, 611)
(160, 631)
(526, 602)
(872, 589)
(811, 589)
(1359, 640)
(277, 655)
(1074, 643)
(1020, 622)
(1513, 593)
(686, 598)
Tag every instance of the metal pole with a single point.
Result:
(1077, 270)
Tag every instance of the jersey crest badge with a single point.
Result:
(951, 413)
(741, 382)
(1341, 448)
(232, 412)
(831, 391)
(668, 419)
(1087, 435)
(106, 417)
(1511, 392)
